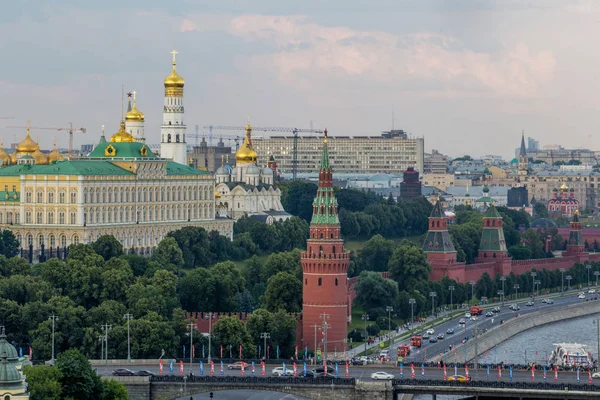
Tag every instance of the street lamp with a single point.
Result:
(365, 317)
(562, 281)
(597, 322)
(503, 279)
(53, 318)
(472, 283)
(433, 295)
(128, 317)
(106, 328)
(266, 336)
(451, 289)
(596, 273)
(191, 326)
(412, 314)
(568, 278)
(389, 310)
(533, 275)
(588, 267)
(516, 287)
(325, 327)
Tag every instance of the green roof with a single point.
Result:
(437, 211)
(485, 199)
(79, 167)
(174, 168)
(122, 150)
(438, 242)
(492, 212)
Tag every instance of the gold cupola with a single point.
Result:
(54, 154)
(134, 115)
(39, 157)
(4, 156)
(174, 82)
(564, 186)
(27, 145)
(122, 136)
(246, 153)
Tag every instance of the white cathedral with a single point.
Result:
(248, 189)
(243, 190)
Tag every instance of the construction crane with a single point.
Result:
(295, 132)
(69, 129)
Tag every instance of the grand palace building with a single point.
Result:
(121, 188)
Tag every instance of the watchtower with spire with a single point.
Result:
(325, 295)
(523, 160)
(172, 130)
(134, 119)
(575, 244)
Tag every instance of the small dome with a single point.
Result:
(39, 157)
(246, 153)
(267, 171)
(564, 186)
(221, 171)
(134, 115)
(252, 170)
(122, 135)
(217, 195)
(55, 155)
(7, 348)
(486, 189)
(8, 372)
(4, 157)
(28, 145)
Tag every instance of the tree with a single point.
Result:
(113, 390)
(540, 211)
(284, 292)
(168, 253)
(375, 255)
(116, 279)
(297, 198)
(228, 283)
(9, 245)
(408, 265)
(77, 379)
(253, 271)
(288, 261)
(197, 290)
(373, 291)
(195, 246)
(108, 247)
(43, 382)
(232, 331)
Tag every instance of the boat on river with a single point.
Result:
(570, 354)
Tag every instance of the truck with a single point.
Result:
(416, 341)
(476, 310)
(403, 350)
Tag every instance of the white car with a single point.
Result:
(430, 331)
(591, 291)
(381, 376)
(278, 371)
(474, 318)
(581, 296)
(596, 375)
(467, 315)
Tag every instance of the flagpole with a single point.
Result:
(191, 326)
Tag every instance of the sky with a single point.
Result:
(469, 76)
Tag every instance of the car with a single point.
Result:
(313, 374)
(489, 314)
(474, 318)
(591, 291)
(496, 310)
(581, 296)
(278, 371)
(123, 372)
(144, 372)
(321, 370)
(430, 331)
(467, 315)
(462, 321)
(433, 339)
(426, 336)
(514, 307)
(384, 353)
(381, 376)
(358, 361)
(440, 336)
(548, 301)
(450, 331)
(596, 375)
(237, 365)
(458, 378)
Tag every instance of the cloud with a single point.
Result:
(305, 54)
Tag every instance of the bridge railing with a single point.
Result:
(499, 385)
(255, 380)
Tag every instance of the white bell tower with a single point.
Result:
(172, 131)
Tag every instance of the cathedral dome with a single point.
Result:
(4, 156)
(174, 79)
(39, 157)
(6, 348)
(122, 136)
(8, 372)
(246, 153)
(134, 115)
(267, 171)
(252, 170)
(55, 155)
(27, 145)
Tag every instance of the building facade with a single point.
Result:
(172, 131)
(390, 153)
(325, 296)
(435, 163)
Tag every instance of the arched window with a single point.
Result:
(75, 239)
(169, 135)
(28, 197)
(321, 235)
(72, 219)
(333, 250)
(40, 241)
(320, 282)
(51, 197)
(73, 197)
(61, 197)
(177, 138)
(40, 197)
(63, 241)
(27, 217)
(29, 239)
(52, 241)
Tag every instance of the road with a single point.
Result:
(364, 373)
(429, 350)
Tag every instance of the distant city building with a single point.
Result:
(410, 188)
(517, 197)
(532, 144)
(86, 148)
(435, 163)
(210, 158)
(391, 153)
(551, 156)
(440, 181)
(563, 202)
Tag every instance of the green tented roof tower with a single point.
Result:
(576, 244)
(438, 239)
(493, 244)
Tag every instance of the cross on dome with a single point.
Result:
(174, 52)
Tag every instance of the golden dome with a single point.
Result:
(246, 153)
(27, 145)
(122, 135)
(55, 155)
(39, 157)
(564, 186)
(174, 79)
(134, 115)
(217, 195)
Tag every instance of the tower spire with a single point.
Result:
(523, 151)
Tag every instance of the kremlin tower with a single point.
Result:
(172, 131)
(134, 120)
(325, 302)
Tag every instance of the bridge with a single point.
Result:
(173, 387)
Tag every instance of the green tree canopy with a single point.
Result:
(284, 292)
(408, 265)
(108, 247)
(373, 291)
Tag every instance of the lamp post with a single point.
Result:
(562, 281)
(265, 336)
(568, 278)
(588, 267)
(433, 295)
(128, 317)
(53, 318)
(451, 289)
(516, 287)
(389, 310)
(365, 317)
(324, 326)
(210, 315)
(503, 279)
(596, 273)
(533, 275)
(412, 315)
(191, 326)
(106, 328)
(597, 322)
(101, 340)
(472, 283)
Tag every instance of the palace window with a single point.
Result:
(51, 217)
(61, 197)
(63, 241)
(28, 197)
(73, 197)
(27, 217)
(30, 240)
(61, 218)
(72, 220)
(40, 241)
(52, 241)
(40, 197)
(75, 239)
(39, 218)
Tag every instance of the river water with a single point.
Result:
(537, 344)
